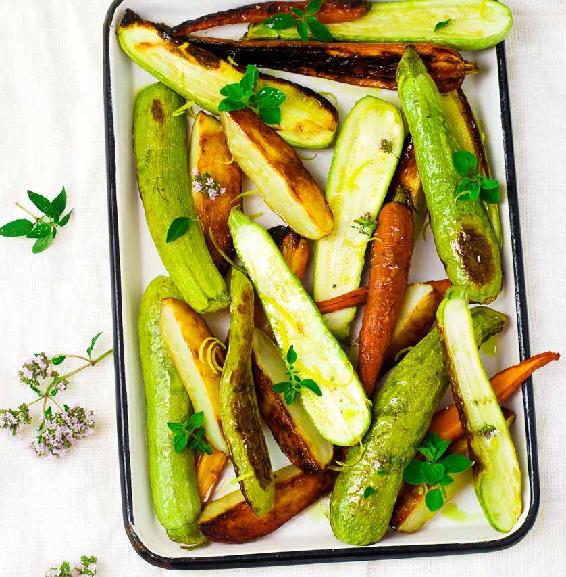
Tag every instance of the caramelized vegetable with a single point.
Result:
(390, 260)
(360, 64)
(231, 520)
(330, 11)
(411, 512)
(209, 155)
(446, 423)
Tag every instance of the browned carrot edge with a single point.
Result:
(446, 422)
(331, 11)
(389, 270)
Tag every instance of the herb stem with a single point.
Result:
(90, 363)
(28, 211)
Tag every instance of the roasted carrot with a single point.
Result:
(446, 422)
(356, 63)
(353, 298)
(331, 11)
(390, 260)
(209, 471)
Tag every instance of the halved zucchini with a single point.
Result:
(307, 119)
(472, 24)
(365, 157)
(285, 184)
(291, 426)
(184, 331)
(238, 403)
(341, 414)
(209, 156)
(497, 476)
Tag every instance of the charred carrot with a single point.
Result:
(389, 269)
(331, 11)
(209, 471)
(446, 422)
(353, 298)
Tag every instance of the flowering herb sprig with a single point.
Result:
(266, 100)
(304, 21)
(60, 426)
(434, 472)
(290, 388)
(206, 185)
(473, 185)
(42, 228)
(87, 566)
(190, 434)
(365, 224)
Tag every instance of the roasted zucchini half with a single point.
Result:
(497, 475)
(307, 119)
(366, 154)
(238, 403)
(341, 413)
(472, 24)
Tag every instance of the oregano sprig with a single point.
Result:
(87, 566)
(291, 388)
(190, 434)
(41, 228)
(60, 426)
(473, 185)
(435, 471)
(304, 21)
(365, 224)
(266, 101)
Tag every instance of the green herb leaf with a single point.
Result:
(19, 227)
(92, 345)
(40, 230)
(311, 386)
(365, 224)
(229, 105)
(490, 194)
(176, 427)
(250, 78)
(298, 13)
(43, 243)
(66, 218)
(303, 30)
(368, 492)
(427, 453)
(446, 480)
(41, 202)
(432, 472)
(59, 203)
(196, 420)
(319, 31)
(281, 387)
(180, 441)
(442, 24)
(456, 463)
(270, 115)
(413, 473)
(434, 499)
(313, 7)
(58, 359)
(178, 228)
(291, 355)
(386, 146)
(270, 97)
(280, 21)
(465, 163)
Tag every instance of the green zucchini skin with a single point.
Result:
(160, 149)
(497, 475)
(172, 475)
(402, 412)
(238, 403)
(474, 25)
(341, 414)
(308, 120)
(358, 182)
(464, 237)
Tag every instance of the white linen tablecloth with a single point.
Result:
(52, 134)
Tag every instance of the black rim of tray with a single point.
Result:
(320, 555)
